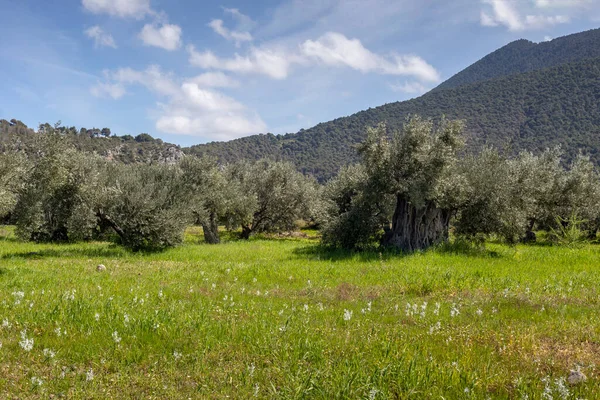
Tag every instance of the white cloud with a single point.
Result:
(541, 22)
(409, 87)
(168, 36)
(486, 20)
(259, 61)
(334, 49)
(191, 107)
(114, 90)
(214, 79)
(235, 36)
(100, 37)
(562, 3)
(152, 78)
(331, 49)
(244, 22)
(505, 13)
(119, 8)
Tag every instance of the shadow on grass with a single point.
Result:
(322, 252)
(69, 252)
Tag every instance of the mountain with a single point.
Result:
(524, 56)
(522, 96)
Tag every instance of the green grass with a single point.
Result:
(265, 318)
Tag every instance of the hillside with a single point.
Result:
(126, 149)
(525, 56)
(534, 110)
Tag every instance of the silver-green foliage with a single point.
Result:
(268, 196)
(407, 187)
(209, 193)
(146, 205)
(13, 167)
(49, 200)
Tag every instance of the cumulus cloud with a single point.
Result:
(153, 78)
(167, 37)
(100, 37)
(235, 36)
(562, 3)
(409, 87)
(114, 90)
(188, 106)
(268, 62)
(244, 22)
(214, 79)
(504, 12)
(137, 9)
(331, 49)
(335, 49)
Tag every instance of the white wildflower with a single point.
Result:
(35, 381)
(116, 337)
(479, 312)
(89, 375)
(373, 393)
(305, 308)
(25, 342)
(454, 311)
(97, 317)
(251, 368)
(176, 355)
(434, 328)
(347, 315)
(49, 353)
(18, 297)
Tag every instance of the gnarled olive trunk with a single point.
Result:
(211, 229)
(417, 228)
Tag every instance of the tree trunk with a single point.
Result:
(246, 231)
(211, 229)
(112, 224)
(417, 228)
(530, 236)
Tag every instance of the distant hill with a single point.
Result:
(126, 149)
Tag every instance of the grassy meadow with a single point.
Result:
(283, 318)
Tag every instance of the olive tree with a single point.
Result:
(268, 196)
(47, 201)
(13, 167)
(354, 215)
(146, 205)
(210, 194)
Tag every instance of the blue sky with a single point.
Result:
(196, 71)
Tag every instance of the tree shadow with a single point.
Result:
(321, 252)
(111, 251)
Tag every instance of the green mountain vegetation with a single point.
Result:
(524, 56)
(534, 110)
(126, 149)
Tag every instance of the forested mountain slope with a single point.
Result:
(524, 56)
(534, 110)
